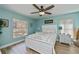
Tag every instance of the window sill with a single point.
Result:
(20, 36)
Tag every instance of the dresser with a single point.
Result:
(66, 38)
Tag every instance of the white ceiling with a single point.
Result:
(25, 9)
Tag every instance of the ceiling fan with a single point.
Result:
(41, 10)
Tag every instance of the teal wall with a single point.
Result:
(6, 36)
(33, 25)
(74, 16)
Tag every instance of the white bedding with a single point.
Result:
(44, 37)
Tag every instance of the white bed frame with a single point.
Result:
(43, 47)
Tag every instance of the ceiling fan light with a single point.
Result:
(41, 13)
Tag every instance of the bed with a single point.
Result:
(43, 42)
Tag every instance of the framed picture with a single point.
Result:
(4, 22)
(48, 21)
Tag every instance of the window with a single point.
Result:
(20, 28)
(67, 26)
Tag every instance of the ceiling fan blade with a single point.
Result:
(48, 13)
(36, 6)
(49, 7)
(34, 12)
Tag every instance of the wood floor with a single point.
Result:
(59, 48)
(66, 49)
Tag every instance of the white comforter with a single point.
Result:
(45, 37)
